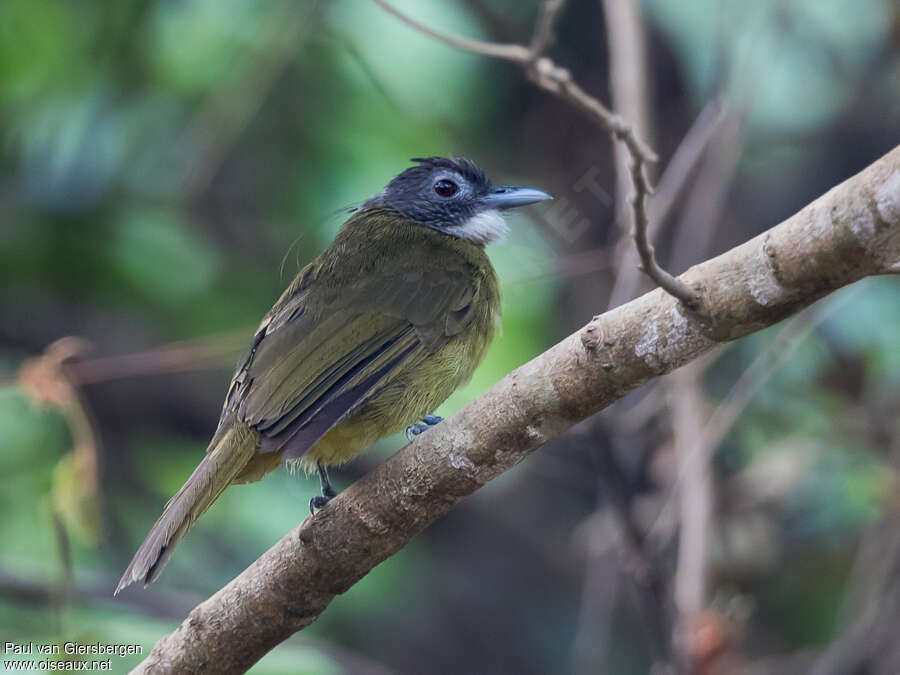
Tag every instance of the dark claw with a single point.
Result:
(319, 501)
(414, 430)
(427, 422)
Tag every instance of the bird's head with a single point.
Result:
(452, 195)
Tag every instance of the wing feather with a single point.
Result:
(343, 329)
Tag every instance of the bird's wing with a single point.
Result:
(328, 345)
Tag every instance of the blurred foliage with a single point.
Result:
(167, 166)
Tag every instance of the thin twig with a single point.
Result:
(515, 53)
(543, 30)
(651, 268)
(681, 167)
(626, 49)
(550, 77)
(685, 160)
(705, 205)
(206, 353)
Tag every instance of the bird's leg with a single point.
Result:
(427, 422)
(328, 492)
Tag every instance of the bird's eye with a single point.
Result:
(445, 188)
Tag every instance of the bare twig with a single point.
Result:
(672, 183)
(289, 586)
(515, 53)
(558, 81)
(670, 284)
(543, 30)
(684, 161)
(544, 73)
(628, 83)
(705, 205)
(215, 351)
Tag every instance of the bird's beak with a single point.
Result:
(509, 197)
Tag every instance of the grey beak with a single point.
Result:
(509, 197)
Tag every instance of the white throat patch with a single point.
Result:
(483, 228)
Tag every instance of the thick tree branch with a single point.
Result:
(851, 232)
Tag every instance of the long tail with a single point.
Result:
(220, 466)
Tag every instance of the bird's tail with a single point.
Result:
(221, 465)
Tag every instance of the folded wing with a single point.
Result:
(328, 346)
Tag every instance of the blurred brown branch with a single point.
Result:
(214, 351)
(612, 525)
(849, 233)
(626, 45)
(674, 623)
(695, 499)
(701, 637)
(44, 379)
(206, 353)
(25, 591)
(53, 380)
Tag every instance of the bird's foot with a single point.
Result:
(319, 501)
(427, 422)
(328, 493)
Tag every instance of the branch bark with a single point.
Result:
(849, 233)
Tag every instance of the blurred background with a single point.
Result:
(167, 167)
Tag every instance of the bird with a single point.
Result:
(366, 341)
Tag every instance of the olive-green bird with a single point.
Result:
(369, 339)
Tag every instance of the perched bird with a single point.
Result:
(367, 340)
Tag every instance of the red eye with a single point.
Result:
(445, 188)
